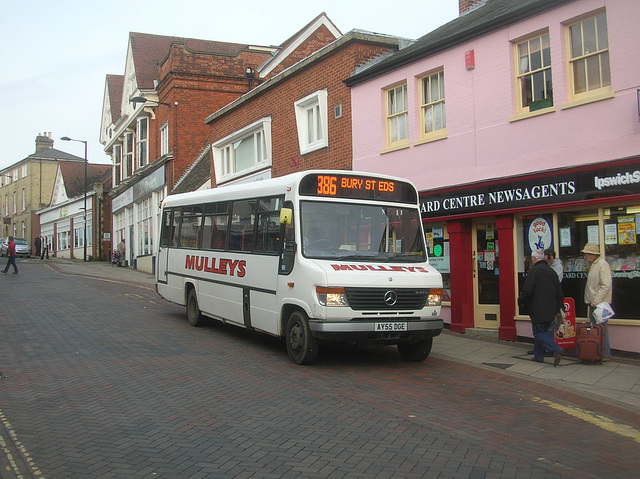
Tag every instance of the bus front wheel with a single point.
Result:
(193, 311)
(415, 352)
(301, 345)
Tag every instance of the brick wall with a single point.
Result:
(278, 102)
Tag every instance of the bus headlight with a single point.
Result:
(435, 295)
(332, 296)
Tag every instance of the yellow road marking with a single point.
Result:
(23, 451)
(595, 419)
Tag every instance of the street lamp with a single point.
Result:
(66, 138)
(141, 99)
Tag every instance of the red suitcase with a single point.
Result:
(590, 341)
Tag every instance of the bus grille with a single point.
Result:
(383, 298)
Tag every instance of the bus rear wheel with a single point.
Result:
(417, 351)
(193, 311)
(301, 345)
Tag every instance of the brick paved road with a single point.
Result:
(103, 379)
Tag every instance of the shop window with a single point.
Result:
(437, 239)
(615, 230)
(622, 252)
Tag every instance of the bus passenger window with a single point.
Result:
(242, 223)
(269, 224)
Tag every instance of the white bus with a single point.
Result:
(312, 256)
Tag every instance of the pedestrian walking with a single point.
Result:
(121, 252)
(45, 249)
(598, 288)
(558, 267)
(38, 245)
(542, 295)
(11, 256)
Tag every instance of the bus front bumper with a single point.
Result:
(375, 331)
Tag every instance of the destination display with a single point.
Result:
(358, 187)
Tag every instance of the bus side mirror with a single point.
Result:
(286, 215)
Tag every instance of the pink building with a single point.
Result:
(519, 124)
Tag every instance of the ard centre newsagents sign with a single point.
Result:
(562, 186)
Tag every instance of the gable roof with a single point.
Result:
(294, 41)
(115, 85)
(484, 19)
(73, 177)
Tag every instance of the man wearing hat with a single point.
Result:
(598, 288)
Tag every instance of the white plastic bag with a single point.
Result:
(603, 312)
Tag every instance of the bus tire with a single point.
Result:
(193, 311)
(417, 351)
(301, 345)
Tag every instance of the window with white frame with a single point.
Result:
(15, 201)
(311, 120)
(15, 174)
(78, 236)
(117, 164)
(145, 227)
(589, 55)
(434, 117)
(127, 157)
(24, 199)
(63, 240)
(24, 171)
(6, 205)
(24, 229)
(164, 139)
(533, 74)
(119, 221)
(397, 116)
(142, 137)
(242, 152)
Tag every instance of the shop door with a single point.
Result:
(486, 284)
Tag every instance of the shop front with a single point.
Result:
(136, 216)
(481, 235)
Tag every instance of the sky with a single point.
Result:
(56, 54)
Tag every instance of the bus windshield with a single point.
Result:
(356, 232)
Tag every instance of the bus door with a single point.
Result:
(163, 249)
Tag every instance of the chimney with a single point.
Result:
(465, 6)
(43, 141)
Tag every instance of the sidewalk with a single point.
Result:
(616, 382)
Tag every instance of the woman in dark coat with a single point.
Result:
(542, 295)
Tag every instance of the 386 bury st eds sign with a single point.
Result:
(605, 180)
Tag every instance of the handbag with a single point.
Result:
(559, 319)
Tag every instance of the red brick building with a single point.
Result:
(153, 116)
(298, 120)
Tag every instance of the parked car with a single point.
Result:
(23, 248)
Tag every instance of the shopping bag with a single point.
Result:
(603, 312)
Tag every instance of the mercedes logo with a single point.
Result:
(390, 298)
